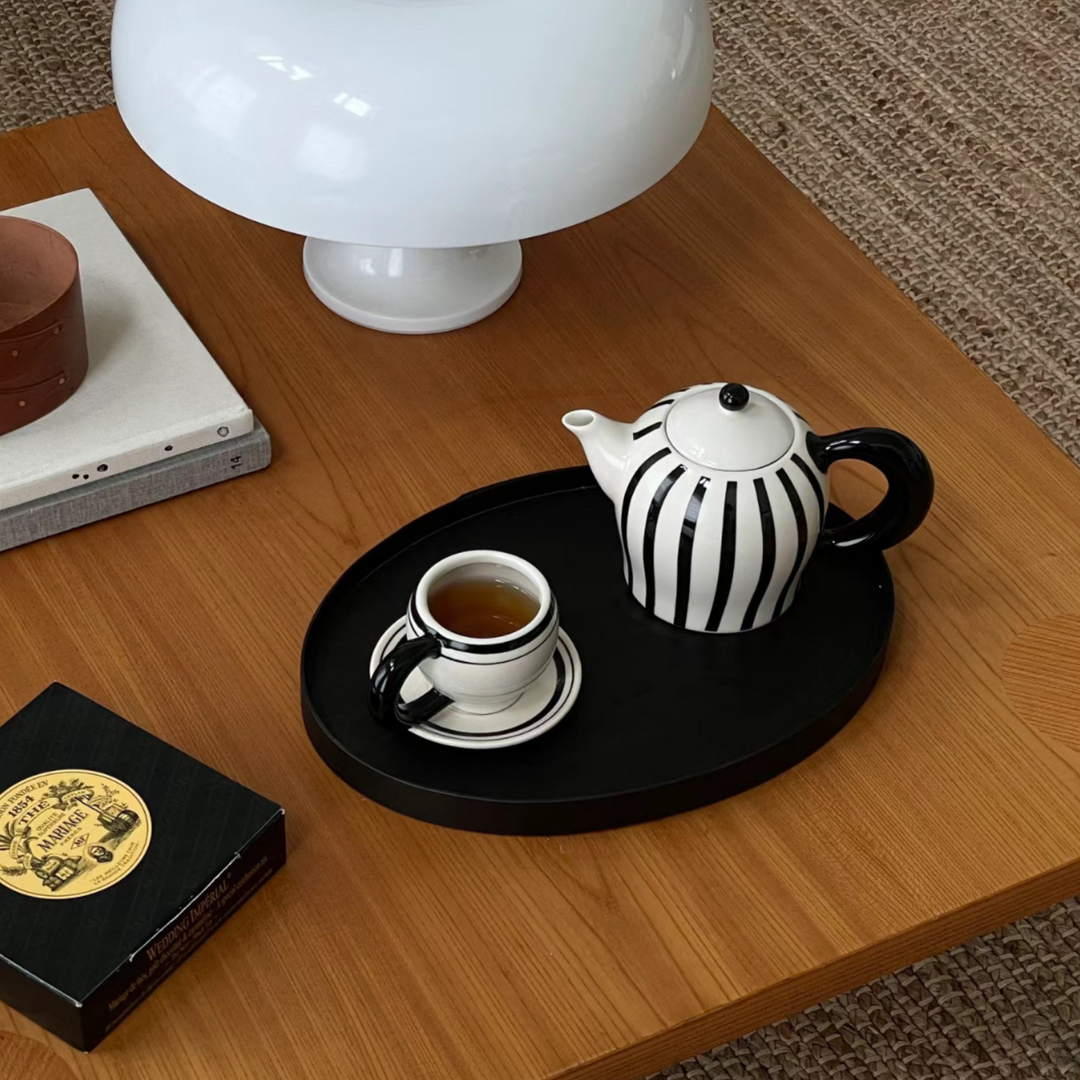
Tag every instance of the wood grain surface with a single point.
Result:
(23, 1058)
(394, 949)
(1042, 676)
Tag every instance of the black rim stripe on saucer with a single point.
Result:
(562, 688)
(561, 683)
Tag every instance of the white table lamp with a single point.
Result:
(414, 142)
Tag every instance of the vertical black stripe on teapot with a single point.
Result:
(720, 493)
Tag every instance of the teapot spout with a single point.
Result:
(607, 445)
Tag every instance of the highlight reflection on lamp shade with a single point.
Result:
(448, 129)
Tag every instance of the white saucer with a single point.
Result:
(537, 711)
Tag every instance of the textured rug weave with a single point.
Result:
(943, 136)
(1005, 1007)
(54, 59)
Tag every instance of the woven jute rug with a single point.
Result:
(943, 136)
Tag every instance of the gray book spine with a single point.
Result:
(131, 490)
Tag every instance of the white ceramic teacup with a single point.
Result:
(478, 675)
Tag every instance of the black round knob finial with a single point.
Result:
(734, 397)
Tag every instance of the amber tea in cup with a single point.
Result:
(481, 607)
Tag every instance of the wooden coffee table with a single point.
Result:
(390, 948)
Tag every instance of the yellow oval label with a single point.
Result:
(70, 833)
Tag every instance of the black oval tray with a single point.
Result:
(667, 720)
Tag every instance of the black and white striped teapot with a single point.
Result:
(720, 493)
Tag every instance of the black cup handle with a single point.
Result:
(911, 485)
(385, 701)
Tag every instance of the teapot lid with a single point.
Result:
(730, 427)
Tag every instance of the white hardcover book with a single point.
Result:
(135, 489)
(152, 390)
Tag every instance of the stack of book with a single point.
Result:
(155, 418)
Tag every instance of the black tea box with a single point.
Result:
(119, 856)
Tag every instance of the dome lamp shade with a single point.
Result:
(414, 142)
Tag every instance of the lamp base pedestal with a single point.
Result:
(412, 290)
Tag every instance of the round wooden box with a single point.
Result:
(43, 350)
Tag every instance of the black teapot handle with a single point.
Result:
(911, 485)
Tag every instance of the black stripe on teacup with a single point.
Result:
(627, 499)
(815, 484)
(648, 430)
(649, 548)
(768, 554)
(727, 557)
(462, 658)
(800, 524)
(686, 550)
(476, 649)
